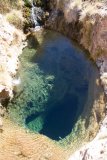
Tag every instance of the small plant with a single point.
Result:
(27, 18)
(39, 2)
(28, 3)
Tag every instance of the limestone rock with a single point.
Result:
(95, 150)
(10, 48)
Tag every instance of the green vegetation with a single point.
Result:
(27, 3)
(27, 17)
(40, 2)
(31, 97)
(36, 2)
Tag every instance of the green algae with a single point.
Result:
(31, 97)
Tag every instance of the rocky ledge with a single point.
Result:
(10, 48)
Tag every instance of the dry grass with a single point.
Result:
(7, 5)
(85, 8)
(15, 18)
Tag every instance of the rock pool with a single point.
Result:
(57, 81)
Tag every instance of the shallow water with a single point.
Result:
(54, 87)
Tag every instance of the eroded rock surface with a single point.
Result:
(10, 48)
(95, 150)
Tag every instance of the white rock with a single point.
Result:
(10, 48)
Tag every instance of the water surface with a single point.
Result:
(54, 87)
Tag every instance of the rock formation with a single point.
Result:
(10, 48)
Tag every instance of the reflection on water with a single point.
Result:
(54, 87)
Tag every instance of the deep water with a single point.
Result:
(55, 79)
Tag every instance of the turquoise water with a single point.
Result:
(55, 79)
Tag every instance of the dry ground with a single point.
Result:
(18, 144)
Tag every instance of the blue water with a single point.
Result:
(54, 86)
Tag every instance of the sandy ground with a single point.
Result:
(18, 144)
